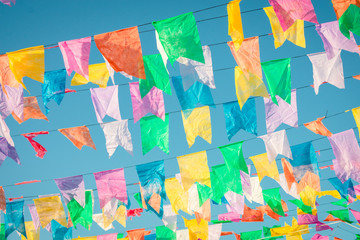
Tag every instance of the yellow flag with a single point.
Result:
(356, 113)
(235, 23)
(31, 232)
(198, 123)
(120, 217)
(87, 238)
(308, 195)
(29, 62)
(194, 168)
(265, 168)
(177, 196)
(197, 230)
(98, 74)
(293, 232)
(294, 34)
(49, 208)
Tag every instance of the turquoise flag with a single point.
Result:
(53, 87)
(14, 218)
(59, 232)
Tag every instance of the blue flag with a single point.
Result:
(53, 87)
(59, 232)
(14, 218)
(345, 189)
(304, 159)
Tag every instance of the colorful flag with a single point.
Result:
(276, 143)
(82, 214)
(318, 127)
(12, 101)
(349, 21)
(14, 218)
(273, 198)
(304, 159)
(163, 232)
(197, 230)
(32, 233)
(178, 198)
(79, 136)
(154, 132)
(31, 110)
(235, 23)
(234, 157)
(340, 6)
(60, 232)
(50, 208)
(7, 150)
(72, 188)
(264, 167)
(106, 102)
(53, 87)
(7, 77)
(98, 74)
(39, 149)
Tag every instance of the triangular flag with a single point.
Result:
(50, 208)
(82, 214)
(14, 218)
(7, 150)
(251, 215)
(98, 74)
(99, 219)
(349, 21)
(264, 167)
(170, 217)
(235, 23)
(53, 87)
(276, 143)
(318, 127)
(340, 6)
(72, 188)
(79, 136)
(356, 215)
(136, 234)
(106, 102)
(154, 132)
(234, 157)
(39, 149)
(31, 110)
(34, 215)
(342, 214)
(273, 199)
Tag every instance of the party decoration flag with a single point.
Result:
(31, 232)
(256, 191)
(342, 202)
(111, 184)
(2, 200)
(251, 235)
(136, 234)
(169, 217)
(106, 102)
(53, 87)
(39, 149)
(34, 216)
(111, 236)
(198, 123)
(117, 134)
(156, 75)
(267, 232)
(76, 55)
(295, 33)
(273, 199)
(79, 214)
(194, 168)
(11, 101)
(264, 167)
(319, 237)
(197, 230)
(214, 231)
(122, 49)
(251, 215)
(325, 70)
(79, 136)
(349, 21)
(8, 2)
(163, 232)
(276, 143)
(294, 231)
(100, 221)
(356, 114)
(60, 232)
(7, 77)
(98, 74)
(154, 132)
(72, 188)
(152, 178)
(340, 6)
(304, 159)
(14, 218)
(278, 77)
(178, 198)
(182, 234)
(235, 23)
(7, 150)
(289, 11)
(345, 189)
(179, 37)
(31, 110)
(282, 113)
(318, 127)
(235, 202)
(342, 214)
(153, 102)
(234, 157)
(28, 62)
(50, 208)
(356, 215)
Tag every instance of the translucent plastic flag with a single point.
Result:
(251, 235)
(34, 216)
(194, 168)
(214, 231)
(264, 167)
(288, 172)
(111, 236)
(175, 192)
(345, 189)
(12, 101)
(356, 215)
(14, 218)
(356, 114)
(343, 214)
(76, 55)
(153, 102)
(136, 234)
(31, 232)
(79, 136)
(295, 231)
(117, 134)
(234, 157)
(111, 184)
(72, 188)
(8, 2)
(170, 217)
(82, 214)
(122, 49)
(53, 87)
(156, 75)
(235, 202)
(163, 232)
(318, 127)
(349, 21)
(28, 62)
(340, 6)
(182, 234)
(152, 178)
(289, 11)
(276, 143)
(251, 215)
(304, 159)
(106, 102)
(198, 123)
(180, 38)
(324, 70)
(295, 33)
(60, 232)
(39, 149)
(197, 230)
(2, 200)
(7, 150)
(283, 113)
(100, 221)
(98, 74)
(273, 198)
(5, 132)
(256, 191)
(235, 23)
(50, 208)
(31, 110)
(7, 77)
(237, 119)
(278, 77)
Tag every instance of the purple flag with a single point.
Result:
(106, 102)
(34, 216)
(8, 2)
(72, 187)
(6, 150)
(356, 215)
(12, 102)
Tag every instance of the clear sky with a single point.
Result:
(41, 22)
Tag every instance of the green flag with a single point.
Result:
(2, 231)
(267, 233)
(273, 198)
(278, 77)
(165, 233)
(343, 214)
(252, 235)
(154, 132)
(305, 208)
(82, 215)
(156, 75)
(350, 21)
(342, 202)
(180, 38)
(120, 235)
(204, 193)
(137, 197)
(233, 156)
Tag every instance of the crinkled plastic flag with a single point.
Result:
(53, 87)
(342, 214)
(106, 102)
(246, 182)
(288, 11)
(251, 235)
(235, 23)
(111, 236)
(76, 55)
(283, 113)
(39, 149)
(267, 232)
(214, 231)
(264, 167)
(31, 232)
(197, 230)
(156, 75)
(276, 143)
(349, 21)
(175, 192)
(2, 200)
(72, 188)
(136, 234)
(98, 74)
(117, 134)
(325, 70)
(356, 114)
(163, 232)
(153, 102)
(234, 157)
(50, 208)
(170, 217)
(230, 216)
(237, 119)
(7, 150)
(289, 187)
(7, 77)
(318, 127)
(154, 132)
(295, 33)
(60, 232)
(12, 100)
(273, 198)
(345, 189)
(256, 191)
(100, 221)
(31, 110)
(79, 214)
(288, 172)
(304, 159)
(194, 168)
(28, 62)
(198, 123)
(295, 231)
(235, 202)
(14, 218)
(122, 49)
(179, 37)
(340, 6)
(79, 136)
(251, 215)
(8, 2)
(278, 77)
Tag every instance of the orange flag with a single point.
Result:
(136, 234)
(31, 110)
(330, 218)
(318, 127)
(122, 49)
(251, 215)
(288, 172)
(6, 75)
(309, 179)
(79, 136)
(2, 200)
(340, 6)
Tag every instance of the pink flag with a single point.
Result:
(111, 184)
(356, 215)
(319, 237)
(39, 149)
(34, 215)
(8, 2)
(72, 188)
(153, 102)
(234, 217)
(106, 102)
(76, 55)
(111, 236)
